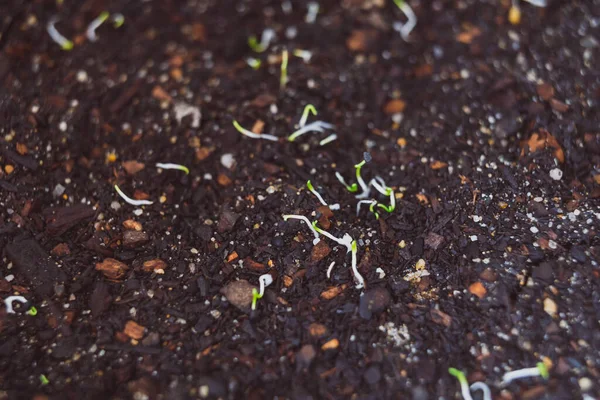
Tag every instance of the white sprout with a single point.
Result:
(343, 182)
(173, 166)
(405, 28)
(8, 302)
(328, 139)
(264, 281)
(487, 393)
(379, 184)
(254, 63)
(346, 240)
(95, 24)
(62, 41)
(313, 10)
(305, 55)
(118, 20)
(265, 40)
(317, 126)
(253, 135)
(286, 6)
(308, 109)
(539, 370)
(360, 203)
(538, 3)
(132, 201)
(310, 187)
(366, 190)
(359, 279)
(329, 269)
(303, 218)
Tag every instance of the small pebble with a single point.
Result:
(227, 160)
(585, 384)
(556, 174)
(550, 307)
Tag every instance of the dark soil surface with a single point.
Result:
(488, 132)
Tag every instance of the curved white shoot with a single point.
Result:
(351, 188)
(379, 184)
(360, 203)
(254, 63)
(313, 10)
(539, 370)
(357, 276)
(538, 3)
(118, 20)
(317, 126)
(366, 191)
(253, 135)
(62, 41)
(405, 28)
(487, 393)
(310, 187)
(132, 201)
(303, 218)
(464, 384)
(90, 32)
(264, 281)
(265, 40)
(308, 109)
(346, 240)
(8, 302)
(305, 55)
(283, 79)
(329, 269)
(173, 166)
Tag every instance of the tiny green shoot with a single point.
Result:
(351, 188)
(118, 20)
(43, 380)
(253, 135)
(305, 55)
(405, 28)
(328, 139)
(372, 209)
(62, 41)
(310, 187)
(283, 79)
(173, 166)
(361, 202)
(313, 11)
(464, 384)
(32, 311)
(132, 201)
(265, 41)
(381, 187)
(316, 126)
(264, 281)
(308, 109)
(311, 226)
(366, 191)
(254, 63)
(95, 24)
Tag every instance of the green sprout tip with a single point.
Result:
(308, 109)
(253, 135)
(283, 80)
(95, 24)
(44, 381)
(173, 166)
(255, 297)
(458, 374)
(118, 20)
(32, 311)
(543, 370)
(254, 63)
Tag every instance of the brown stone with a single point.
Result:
(134, 330)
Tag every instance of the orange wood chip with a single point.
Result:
(394, 106)
(333, 291)
(112, 269)
(331, 345)
(134, 330)
(478, 289)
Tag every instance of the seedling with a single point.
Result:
(372, 209)
(346, 240)
(283, 79)
(371, 203)
(539, 370)
(305, 55)
(265, 41)
(366, 192)
(263, 281)
(173, 166)
(62, 41)
(313, 191)
(254, 63)
(118, 20)
(308, 109)
(95, 24)
(8, 302)
(313, 10)
(464, 385)
(382, 188)
(317, 126)
(405, 28)
(303, 218)
(253, 135)
(329, 269)
(132, 201)
(359, 279)
(32, 311)
(328, 139)
(351, 188)
(43, 380)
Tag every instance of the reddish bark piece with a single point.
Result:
(134, 330)
(320, 251)
(112, 269)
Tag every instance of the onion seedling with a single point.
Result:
(308, 109)
(132, 201)
(95, 24)
(405, 28)
(118, 20)
(173, 166)
(311, 226)
(357, 275)
(382, 188)
(254, 63)
(372, 204)
(253, 135)
(313, 10)
(303, 54)
(310, 187)
(283, 79)
(8, 302)
(317, 126)
(328, 139)
(539, 370)
(62, 41)
(265, 41)
(351, 188)
(264, 281)
(43, 380)
(359, 179)
(464, 385)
